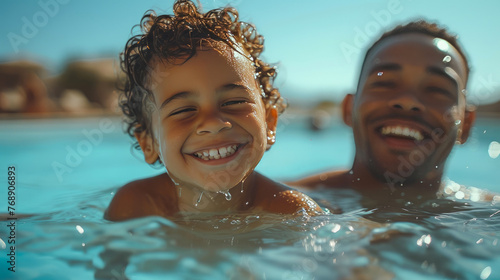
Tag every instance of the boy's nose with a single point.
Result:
(407, 101)
(212, 123)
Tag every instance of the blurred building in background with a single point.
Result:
(22, 89)
(91, 86)
(83, 87)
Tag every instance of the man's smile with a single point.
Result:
(402, 131)
(402, 134)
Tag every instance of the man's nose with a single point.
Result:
(407, 101)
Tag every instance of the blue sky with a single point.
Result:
(317, 44)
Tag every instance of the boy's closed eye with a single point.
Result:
(187, 111)
(234, 102)
(183, 110)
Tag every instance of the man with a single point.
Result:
(407, 114)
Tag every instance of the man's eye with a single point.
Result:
(181, 111)
(383, 84)
(234, 102)
(438, 90)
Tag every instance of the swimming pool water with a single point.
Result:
(68, 171)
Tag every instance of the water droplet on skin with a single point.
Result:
(176, 184)
(351, 172)
(227, 194)
(199, 199)
(242, 182)
(447, 59)
(380, 74)
(458, 122)
(437, 166)
(180, 191)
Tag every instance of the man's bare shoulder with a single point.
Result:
(277, 198)
(144, 197)
(331, 179)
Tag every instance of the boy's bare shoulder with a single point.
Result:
(331, 179)
(277, 198)
(154, 196)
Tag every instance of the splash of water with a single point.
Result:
(199, 199)
(227, 194)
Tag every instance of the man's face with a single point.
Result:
(409, 109)
(209, 126)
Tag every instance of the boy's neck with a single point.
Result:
(196, 200)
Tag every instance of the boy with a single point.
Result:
(200, 101)
(409, 111)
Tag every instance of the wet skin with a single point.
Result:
(209, 128)
(406, 116)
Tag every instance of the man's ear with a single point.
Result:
(469, 118)
(272, 122)
(147, 146)
(347, 104)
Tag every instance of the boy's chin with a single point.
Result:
(218, 188)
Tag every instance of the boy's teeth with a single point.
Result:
(223, 151)
(402, 131)
(216, 153)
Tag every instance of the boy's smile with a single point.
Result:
(409, 105)
(210, 126)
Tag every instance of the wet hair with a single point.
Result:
(422, 27)
(179, 36)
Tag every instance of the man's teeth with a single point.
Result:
(402, 131)
(216, 153)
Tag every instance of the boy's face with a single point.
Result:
(210, 124)
(409, 109)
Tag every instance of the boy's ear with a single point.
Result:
(147, 146)
(347, 104)
(469, 118)
(272, 122)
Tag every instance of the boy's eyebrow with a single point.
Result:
(182, 94)
(231, 86)
(385, 67)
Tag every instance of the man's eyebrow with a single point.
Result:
(385, 67)
(182, 94)
(441, 72)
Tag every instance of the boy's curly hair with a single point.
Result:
(423, 27)
(170, 37)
